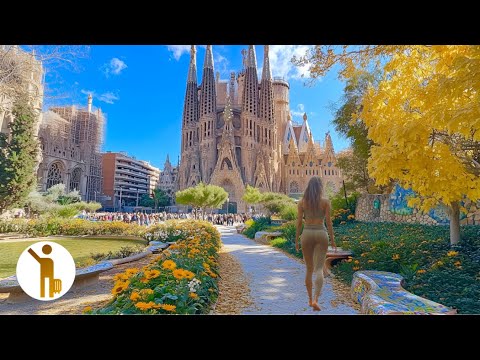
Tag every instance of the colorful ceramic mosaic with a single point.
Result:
(381, 293)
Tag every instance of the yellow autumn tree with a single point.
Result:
(424, 118)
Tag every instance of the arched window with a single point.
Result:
(294, 188)
(54, 175)
(227, 162)
(75, 179)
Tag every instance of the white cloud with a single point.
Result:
(281, 61)
(108, 97)
(300, 110)
(115, 67)
(179, 50)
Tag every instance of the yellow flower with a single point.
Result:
(349, 260)
(146, 292)
(134, 296)
(364, 254)
(193, 295)
(395, 257)
(421, 271)
(168, 307)
(355, 268)
(211, 289)
(188, 274)
(87, 309)
(144, 280)
(120, 277)
(452, 253)
(371, 261)
(152, 274)
(356, 262)
(146, 306)
(169, 264)
(206, 266)
(178, 274)
(131, 271)
(120, 287)
(457, 263)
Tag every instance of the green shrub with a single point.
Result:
(121, 253)
(258, 225)
(287, 246)
(289, 212)
(422, 255)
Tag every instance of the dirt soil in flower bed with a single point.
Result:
(234, 291)
(74, 301)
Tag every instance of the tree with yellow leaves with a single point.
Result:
(423, 117)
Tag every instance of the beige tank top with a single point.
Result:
(313, 214)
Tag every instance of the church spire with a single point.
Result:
(207, 93)
(252, 57)
(266, 90)
(208, 58)
(267, 72)
(192, 70)
(190, 107)
(250, 92)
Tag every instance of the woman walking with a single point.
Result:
(314, 240)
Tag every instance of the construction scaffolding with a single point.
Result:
(73, 137)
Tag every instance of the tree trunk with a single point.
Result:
(454, 223)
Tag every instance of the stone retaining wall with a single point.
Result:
(365, 211)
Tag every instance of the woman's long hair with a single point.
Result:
(313, 193)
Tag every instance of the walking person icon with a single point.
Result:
(46, 272)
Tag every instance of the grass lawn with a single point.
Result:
(81, 249)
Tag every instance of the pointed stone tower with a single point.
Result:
(189, 123)
(249, 117)
(208, 117)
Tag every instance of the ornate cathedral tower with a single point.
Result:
(208, 117)
(189, 168)
(268, 128)
(249, 117)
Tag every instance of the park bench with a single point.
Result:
(334, 256)
(381, 293)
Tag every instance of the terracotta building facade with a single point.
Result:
(239, 131)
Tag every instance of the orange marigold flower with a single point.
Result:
(371, 261)
(395, 257)
(457, 263)
(131, 271)
(421, 271)
(355, 268)
(188, 274)
(168, 307)
(145, 306)
(356, 262)
(135, 296)
(152, 274)
(178, 274)
(169, 264)
(87, 309)
(193, 295)
(452, 253)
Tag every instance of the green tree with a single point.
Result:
(160, 198)
(18, 157)
(146, 201)
(202, 196)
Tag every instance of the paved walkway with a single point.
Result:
(276, 280)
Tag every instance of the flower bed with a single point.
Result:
(422, 255)
(183, 280)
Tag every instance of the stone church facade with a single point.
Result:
(240, 132)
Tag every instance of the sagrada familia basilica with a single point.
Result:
(240, 132)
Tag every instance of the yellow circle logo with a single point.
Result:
(45, 271)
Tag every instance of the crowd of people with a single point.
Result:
(156, 218)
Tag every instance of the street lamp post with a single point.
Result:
(228, 199)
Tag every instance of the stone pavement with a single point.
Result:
(276, 280)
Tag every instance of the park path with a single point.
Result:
(277, 281)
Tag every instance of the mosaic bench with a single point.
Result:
(381, 293)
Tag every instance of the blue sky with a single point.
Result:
(141, 90)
